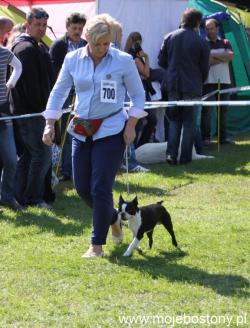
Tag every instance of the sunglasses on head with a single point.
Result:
(38, 15)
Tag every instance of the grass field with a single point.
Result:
(45, 283)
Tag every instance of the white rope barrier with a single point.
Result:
(182, 103)
(224, 91)
(186, 103)
(4, 118)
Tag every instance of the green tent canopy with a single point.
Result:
(238, 117)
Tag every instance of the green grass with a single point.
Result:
(45, 283)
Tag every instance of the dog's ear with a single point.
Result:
(135, 201)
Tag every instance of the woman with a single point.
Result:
(8, 158)
(100, 75)
(133, 46)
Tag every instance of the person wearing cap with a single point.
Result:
(221, 55)
(101, 127)
(30, 96)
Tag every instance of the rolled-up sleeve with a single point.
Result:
(135, 90)
(59, 92)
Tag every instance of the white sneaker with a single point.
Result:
(54, 181)
(124, 167)
(139, 169)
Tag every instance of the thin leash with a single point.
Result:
(126, 162)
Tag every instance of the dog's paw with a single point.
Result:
(127, 254)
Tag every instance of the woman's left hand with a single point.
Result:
(129, 132)
(9, 86)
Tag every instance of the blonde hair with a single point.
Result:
(116, 31)
(99, 26)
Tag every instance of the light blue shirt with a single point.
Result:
(73, 46)
(78, 70)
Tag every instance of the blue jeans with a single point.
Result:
(34, 161)
(8, 162)
(132, 161)
(66, 165)
(95, 164)
(181, 118)
(198, 138)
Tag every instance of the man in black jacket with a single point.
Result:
(185, 56)
(30, 96)
(70, 41)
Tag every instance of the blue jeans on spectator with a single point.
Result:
(181, 118)
(198, 138)
(8, 162)
(95, 164)
(34, 161)
(132, 162)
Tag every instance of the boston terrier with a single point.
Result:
(143, 220)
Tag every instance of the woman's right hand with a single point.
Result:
(49, 134)
(129, 131)
(143, 54)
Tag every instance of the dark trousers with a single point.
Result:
(34, 161)
(95, 164)
(206, 113)
(145, 128)
(181, 118)
(66, 165)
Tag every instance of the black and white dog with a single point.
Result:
(143, 220)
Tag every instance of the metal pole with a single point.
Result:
(218, 117)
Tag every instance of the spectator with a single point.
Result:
(70, 41)
(30, 96)
(145, 128)
(8, 157)
(133, 165)
(220, 56)
(185, 56)
(16, 31)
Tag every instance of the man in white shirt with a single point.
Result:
(220, 56)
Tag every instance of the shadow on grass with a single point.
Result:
(49, 221)
(121, 188)
(71, 206)
(232, 159)
(165, 265)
